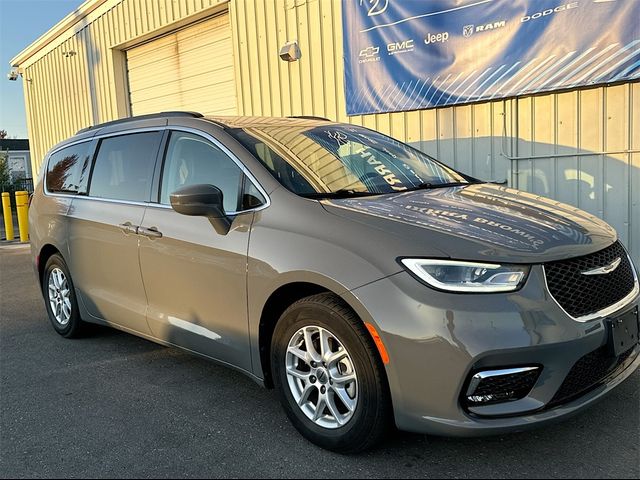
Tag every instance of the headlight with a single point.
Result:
(470, 277)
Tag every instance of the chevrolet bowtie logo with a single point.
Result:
(604, 270)
(370, 52)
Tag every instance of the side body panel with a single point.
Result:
(195, 281)
(48, 222)
(103, 259)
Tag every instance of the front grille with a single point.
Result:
(582, 294)
(503, 388)
(589, 372)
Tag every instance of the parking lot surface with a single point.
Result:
(114, 405)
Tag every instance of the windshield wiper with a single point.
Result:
(342, 193)
(431, 186)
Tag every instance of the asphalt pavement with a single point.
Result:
(114, 405)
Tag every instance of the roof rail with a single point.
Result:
(142, 117)
(309, 117)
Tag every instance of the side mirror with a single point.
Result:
(202, 201)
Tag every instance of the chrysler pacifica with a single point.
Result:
(368, 283)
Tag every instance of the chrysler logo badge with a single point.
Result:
(603, 270)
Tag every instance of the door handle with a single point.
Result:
(151, 232)
(128, 228)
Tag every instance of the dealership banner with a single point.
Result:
(404, 55)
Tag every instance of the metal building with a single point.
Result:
(114, 58)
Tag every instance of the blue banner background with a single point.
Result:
(412, 54)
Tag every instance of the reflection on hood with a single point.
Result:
(488, 214)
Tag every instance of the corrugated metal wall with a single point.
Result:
(471, 138)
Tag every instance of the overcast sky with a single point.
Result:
(21, 22)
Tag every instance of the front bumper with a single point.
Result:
(436, 340)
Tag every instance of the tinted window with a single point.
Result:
(124, 167)
(67, 169)
(193, 160)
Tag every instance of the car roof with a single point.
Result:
(251, 121)
(223, 121)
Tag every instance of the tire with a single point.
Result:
(359, 429)
(66, 318)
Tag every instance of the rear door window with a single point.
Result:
(67, 169)
(124, 167)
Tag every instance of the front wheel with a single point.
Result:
(329, 377)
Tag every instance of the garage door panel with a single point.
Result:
(202, 42)
(165, 54)
(191, 69)
(148, 89)
(146, 48)
(206, 106)
(208, 55)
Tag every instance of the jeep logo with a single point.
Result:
(436, 38)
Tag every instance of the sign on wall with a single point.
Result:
(411, 54)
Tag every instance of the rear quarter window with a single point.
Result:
(124, 167)
(67, 169)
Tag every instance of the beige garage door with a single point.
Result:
(191, 69)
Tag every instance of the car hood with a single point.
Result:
(480, 222)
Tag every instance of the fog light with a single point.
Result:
(489, 387)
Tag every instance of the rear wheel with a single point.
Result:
(60, 298)
(329, 376)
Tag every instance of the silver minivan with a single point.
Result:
(370, 284)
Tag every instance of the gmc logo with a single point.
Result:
(400, 46)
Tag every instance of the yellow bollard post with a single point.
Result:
(22, 207)
(6, 212)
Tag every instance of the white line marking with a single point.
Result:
(545, 72)
(513, 78)
(624, 60)
(436, 90)
(389, 93)
(474, 82)
(425, 15)
(414, 91)
(626, 71)
(397, 94)
(460, 86)
(528, 75)
(583, 66)
(419, 93)
(597, 67)
(356, 99)
(485, 82)
(427, 92)
(563, 69)
(498, 79)
(383, 93)
(450, 85)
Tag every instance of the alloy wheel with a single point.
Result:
(59, 296)
(322, 377)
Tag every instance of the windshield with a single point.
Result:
(346, 160)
